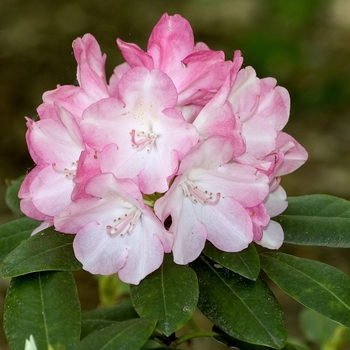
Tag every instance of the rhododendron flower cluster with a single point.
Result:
(180, 146)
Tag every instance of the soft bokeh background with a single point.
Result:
(304, 44)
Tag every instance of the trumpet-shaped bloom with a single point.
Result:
(115, 230)
(196, 71)
(141, 136)
(263, 109)
(55, 145)
(209, 199)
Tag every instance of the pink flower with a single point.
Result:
(55, 145)
(196, 71)
(115, 230)
(91, 78)
(217, 118)
(141, 136)
(263, 110)
(209, 200)
(177, 135)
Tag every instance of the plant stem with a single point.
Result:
(199, 334)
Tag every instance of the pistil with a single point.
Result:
(145, 140)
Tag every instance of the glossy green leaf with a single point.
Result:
(169, 295)
(90, 326)
(316, 285)
(11, 196)
(47, 250)
(99, 318)
(244, 309)
(319, 220)
(14, 233)
(246, 263)
(126, 335)
(233, 343)
(46, 305)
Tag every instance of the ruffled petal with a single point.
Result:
(295, 155)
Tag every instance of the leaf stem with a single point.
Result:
(200, 334)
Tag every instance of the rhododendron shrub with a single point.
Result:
(222, 157)
(182, 152)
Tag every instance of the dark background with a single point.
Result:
(304, 44)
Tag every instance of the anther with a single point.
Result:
(197, 195)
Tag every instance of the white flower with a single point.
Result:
(30, 344)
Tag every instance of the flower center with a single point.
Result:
(69, 173)
(125, 224)
(140, 140)
(198, 195)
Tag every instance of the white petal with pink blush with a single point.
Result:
(116, 231)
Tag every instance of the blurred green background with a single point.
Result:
(304, 44)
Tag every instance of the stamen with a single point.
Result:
(124, 225)
(69, 173)
(144, 140)
(197, 195)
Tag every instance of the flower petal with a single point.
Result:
(134, 56)
(170, 42)
(295, 155)
(91, 66)
(273, 236)
(49, 184)
(26, 203)
(97, 251)
(145, 91)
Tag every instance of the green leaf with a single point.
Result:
(317, 328)
(11, 196)
(119, 312)
(246, 263)
(152, 344)
(131, 334)
(99, 318)
(242, 308)
(319, 220)
(15, 232)
(169, 295)
(111, 289)
(241, 345)
(46, 305)
(316, 285)
(47, 250)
